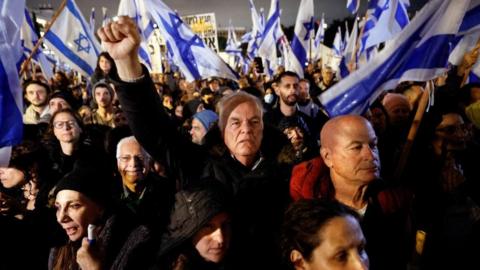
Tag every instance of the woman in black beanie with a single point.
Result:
(82, 198)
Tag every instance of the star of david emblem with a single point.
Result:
(309, 27)
(184, 44)
(82, 43)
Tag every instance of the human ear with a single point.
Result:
(297, 260)
(325, 153)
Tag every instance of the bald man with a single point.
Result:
(349, 149)
(349, 171)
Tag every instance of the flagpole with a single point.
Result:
(40, 40)
(310, 49)
(413, 129)
(357, 44)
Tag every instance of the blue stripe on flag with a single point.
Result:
(471, 19)
(472, 78)
(11, 122)
(299, 50)
(57, 42)
(401, 16)
(360, 93)
(74, 11)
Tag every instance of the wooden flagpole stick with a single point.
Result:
(40, 40)
(357, 44)
(413, 130)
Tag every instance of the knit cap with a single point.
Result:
(207, 118)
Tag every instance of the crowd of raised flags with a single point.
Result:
(418, 50)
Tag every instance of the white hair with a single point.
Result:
(127, 140)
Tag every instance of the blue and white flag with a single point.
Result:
(136, 10)
(290, 59)
(92, 20)
(337, 43)
(271, 35)
(319, 37)
(256, 33)
(72, 41)
(385, 19)
(233, 46)
(11, 103)
(471, 21)
(105, 18)
(303, 31)
(246, 37)
(352, 6)
(195, 60)
(469, 33)
(419, 53)
(348, 53)
(29, 38)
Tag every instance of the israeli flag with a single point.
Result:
(290, 59)
(257, 30)
(11, 103)
(29, 38)
(136, 10)
(268, 45)
(195, 60)
(303, 31)
(385, 19)
(469, 33)
(337, 42)
(105, 18)
(72, 41)
(352, 6)
(419, 53)
(233, 46)
(92, 20)
(319, 37)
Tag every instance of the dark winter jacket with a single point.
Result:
(260, 192)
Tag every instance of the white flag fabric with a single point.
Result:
(135, 9)
(385, 19)
(195, 60)
(419, 53)
(72, 41)
(303, 31)
(268, 45)
(29, 38)
(256, 33)
(290, 59)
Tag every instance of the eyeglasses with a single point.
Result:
(126, 159)
(62, 124)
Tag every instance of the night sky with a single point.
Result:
(236, 10)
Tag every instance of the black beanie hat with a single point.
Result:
(65, 95)
(89, 179)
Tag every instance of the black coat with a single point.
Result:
(260, 193)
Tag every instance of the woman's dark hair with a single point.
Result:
(302, 222)
(49, 138)
(112, 74)
(69, 111)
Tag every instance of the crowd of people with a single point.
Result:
(247, 174)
